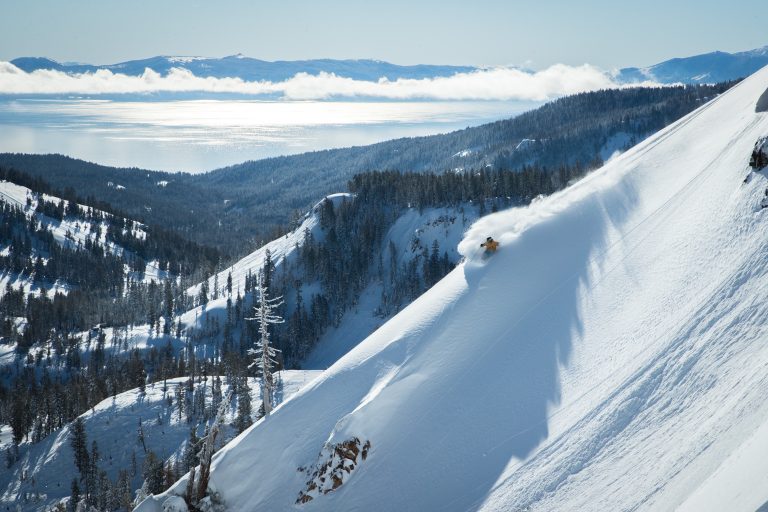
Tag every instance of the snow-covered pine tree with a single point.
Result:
(264, 353)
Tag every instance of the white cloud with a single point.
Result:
(502, 83)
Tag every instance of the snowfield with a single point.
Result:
(610, 356)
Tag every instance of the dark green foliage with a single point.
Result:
(100, 291)
(175, 252)
(74, 498)
(243, 419)
(80, 447)
(152, 472)
(419, 190)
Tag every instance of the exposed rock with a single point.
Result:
(759, 158)
(762, 102)
(334, 465)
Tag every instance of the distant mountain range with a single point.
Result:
(251, 69)
(706, 68)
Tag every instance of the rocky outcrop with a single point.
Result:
(334, 465)
(762, 102)
(759, 158)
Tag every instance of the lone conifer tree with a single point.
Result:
(264, 353)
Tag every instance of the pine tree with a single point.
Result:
(267, 270)
(80, 446)
(202, 297)
(74, 499)
(140, 436)
(243, 419)
(167, 306)
(264, 353)
(153, 473)
(189, 457)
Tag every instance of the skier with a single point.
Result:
(490, 245)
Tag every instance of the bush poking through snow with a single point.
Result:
(335, 462)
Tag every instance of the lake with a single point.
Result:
(200, 135)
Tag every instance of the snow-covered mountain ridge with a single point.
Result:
(40, 475)
(609, 357)
(72, 231)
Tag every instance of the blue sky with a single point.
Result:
(482, 32)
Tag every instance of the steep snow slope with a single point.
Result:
(610, 356)
(411, 233)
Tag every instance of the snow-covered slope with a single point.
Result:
(611, 356)
(44, 474)
(412, 232)
(281, 251)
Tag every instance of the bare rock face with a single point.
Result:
(759, 157)
(762, 102)
(334, 465)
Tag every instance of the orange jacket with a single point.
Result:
(490, 245)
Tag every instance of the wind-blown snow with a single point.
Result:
(610, 356)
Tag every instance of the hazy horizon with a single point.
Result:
(501, 32)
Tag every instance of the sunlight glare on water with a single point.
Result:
(201, 135)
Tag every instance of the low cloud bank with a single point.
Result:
(487, 84)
